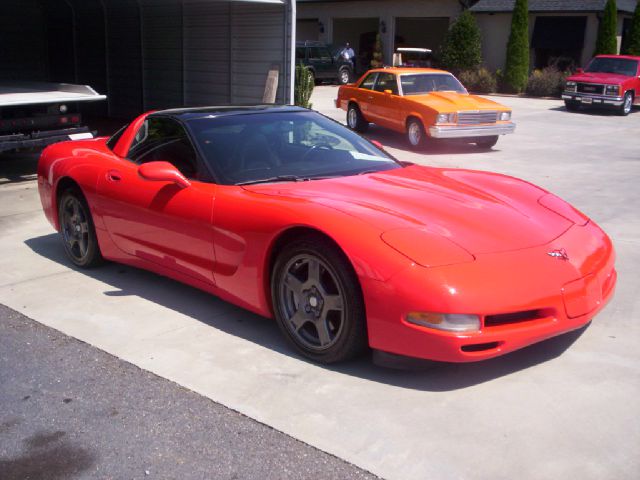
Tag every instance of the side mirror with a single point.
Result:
(579, 70)
(163, 172)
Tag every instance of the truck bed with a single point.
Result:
(33, 93)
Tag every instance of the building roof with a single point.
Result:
(496, 6)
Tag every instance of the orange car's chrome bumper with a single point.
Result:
(455, 131)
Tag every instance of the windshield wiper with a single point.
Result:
(278, 178)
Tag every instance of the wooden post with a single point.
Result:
(271, 87)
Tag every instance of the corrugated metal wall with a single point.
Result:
(149, 54)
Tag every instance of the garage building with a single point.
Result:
(151, 54)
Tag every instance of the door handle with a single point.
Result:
(114, 176)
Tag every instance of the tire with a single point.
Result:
(627, 104)
(317, 301)
(571, 105)
(77, 230)
(344, 76)
(355, 120)
(416, 136)
(487, 143)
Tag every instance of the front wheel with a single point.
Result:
(77, 230)
(317, 301)
(627, 104)
(487, 143)
(571, 105)
(355, 120)
(416, 136)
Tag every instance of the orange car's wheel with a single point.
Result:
(77, 230)
(317, 301)
(487, 143)
(416, 136)
(355, 120)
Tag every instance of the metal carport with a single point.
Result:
(149, 54)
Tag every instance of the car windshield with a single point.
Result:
(620, 66)
(419, 84)
(284, 146)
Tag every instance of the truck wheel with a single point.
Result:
(627, 104)
(416, 136)
(571, 105)
(344, 76)
(355, 120)
(487, 143)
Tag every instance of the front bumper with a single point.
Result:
(455, 131)
(523, 297)
(590, 99)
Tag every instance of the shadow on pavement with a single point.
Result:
(206, 308)
(596, 111)
(18, 166)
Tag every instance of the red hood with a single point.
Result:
(482, 212)
(599, 77)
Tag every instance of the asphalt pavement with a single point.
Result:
(72, 411)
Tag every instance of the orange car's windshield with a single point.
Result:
(422, 83)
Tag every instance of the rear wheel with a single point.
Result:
(627, 104)
(416, 136)
(355, 120)
(317, 301)
(77, 230)
(344, 76)
(487, 142)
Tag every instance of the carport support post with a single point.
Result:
(291, 7)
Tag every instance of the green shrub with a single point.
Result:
(478, 81)
(376, 61)
(632, 46)
(462, 47)
(303, 88)
(606, 43)
(516, 70)
(548, 82)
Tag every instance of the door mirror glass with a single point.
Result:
(163, 172)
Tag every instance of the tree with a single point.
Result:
(607, 43)
(516, 72)
(303, 87)
(462, 47)
(376, 61)
(633, 41)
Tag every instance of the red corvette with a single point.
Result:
(291, 215)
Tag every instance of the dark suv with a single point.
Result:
(323, 64)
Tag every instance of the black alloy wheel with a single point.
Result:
(77, 230)
(317, 301)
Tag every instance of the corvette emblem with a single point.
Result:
(560, 254)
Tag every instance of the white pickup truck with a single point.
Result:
(34, 115)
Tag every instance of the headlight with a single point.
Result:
(63, 108)
(571, 86)
(612, 90)
(451, 322)
(504, 116)
(446, 118)
(562, 208)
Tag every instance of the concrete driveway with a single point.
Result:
(565, 408)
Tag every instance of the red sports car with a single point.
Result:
(287, 213)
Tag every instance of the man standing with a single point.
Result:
(349, 55)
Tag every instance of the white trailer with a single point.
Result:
(34, 115)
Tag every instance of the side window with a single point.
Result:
(324, 54)
(386, 81)
(314, 53)
(369, 81)
(164, 139)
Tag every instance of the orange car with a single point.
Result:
(423, 103)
